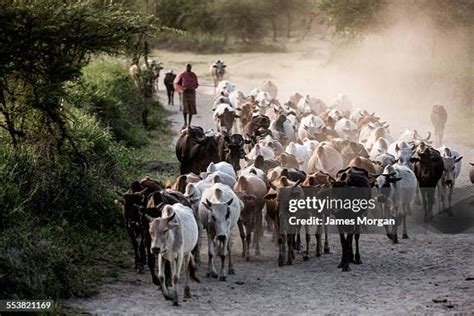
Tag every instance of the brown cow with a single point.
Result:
(251, 190)
(439, 117)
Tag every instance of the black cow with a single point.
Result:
(195, 151)
(428, 167)
(351, 183)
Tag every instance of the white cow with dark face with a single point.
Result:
(452, 168)
(219, 212)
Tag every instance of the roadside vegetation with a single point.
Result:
(71, 139)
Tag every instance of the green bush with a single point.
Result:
(65, 187)
(107, 91)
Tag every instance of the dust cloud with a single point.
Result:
(399, 72)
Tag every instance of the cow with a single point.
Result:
(225, 87)
(270, 88)
(327, 159)
(397, 188)
(452, 169)
(259, 149)
(351, 150)
(276, 201)
(309, 105)
(380, 146)
(428, 167)
(224, 117)
(283, 129)
(195, 150)
(217, 72)
(288, 161)
(376, 132)
(301, 153)
(173, 236)
(311, 127)
(256, 123)
(347, 129)
(351, 177)
(245, 112)
(168, 82)
(231, 149)
(133, 225)
(251, 190)
(439, 117)
(219, 212)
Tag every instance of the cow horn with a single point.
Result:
(148, 217)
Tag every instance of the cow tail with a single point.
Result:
(192, 269)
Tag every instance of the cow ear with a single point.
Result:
(230, 202)
(270, 196)
(396, 179)
(458, 159)
(236, 115)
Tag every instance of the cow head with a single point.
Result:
(449, 162)
(162, 231)
(233, 150)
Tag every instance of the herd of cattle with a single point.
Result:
(233, 176)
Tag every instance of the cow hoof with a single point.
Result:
(327, 250)
(211, 274)
(167, 297)
(280, 261)
(405, 236)
(339, 265)
(357, 260)
(305, 258)
(318, 254)
(175, 303)
(156, 282)
(395, 239)
(231, 271)
(187, 292)
(289, 262)
(346, 269)
(389, 236)
(222, 278)
(247, 259)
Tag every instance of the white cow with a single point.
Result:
(259, 149)
(452, 168)
(326, 159)
(301, 153)
(224, 116)
(225, 87)
(222, 166)
(173, 236)
(347, 129)
(380, 146)
(397, 188)
(310, 105)
(342, 103)
(219, 212)
(310, 126)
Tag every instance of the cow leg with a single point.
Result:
(222, 276)
(290, 239)
(450, 198)
(161, 276)
(357, 254)
(318, 240)
(142, 251)
(297, 245)
(133, 240)
(187, 260)
(350, 252)
(151, 261)
(404, 222)
(344, 265)
(395, 229)
(248, 239)
(257, 228)
(281, 249)
(230, 269)
(197, 249)
(308, 237)
(211, 270)
(327, 249)
(176, 266)
(242, 237)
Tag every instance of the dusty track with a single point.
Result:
(393, 279)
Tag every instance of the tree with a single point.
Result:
(45, 45)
